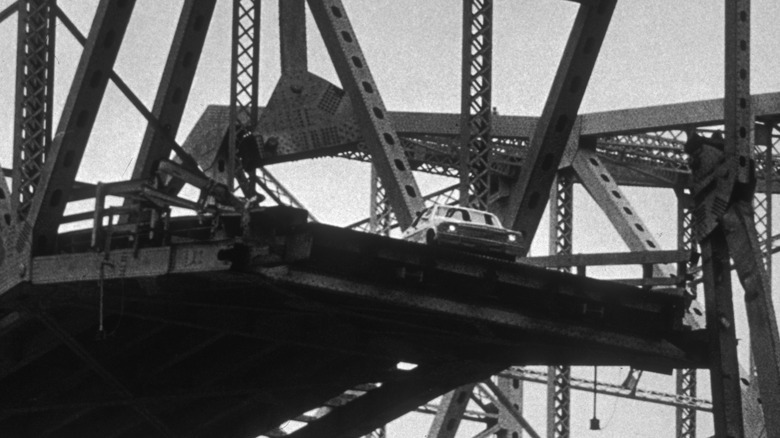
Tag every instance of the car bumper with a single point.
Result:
(481, 245)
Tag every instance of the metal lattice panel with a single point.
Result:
(244, 74)
(382, 219)
(561, 233)
(685, 425)
(476, 109)
(34, 94)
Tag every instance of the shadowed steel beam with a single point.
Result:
(34, 94)
(8, 278)
(745, 250)
(504, 404)
(724, 368)
(450, 412)
(530, 192)
(383, 143)
(292, 35)
(78, 117)
(395, 398)
(78, 349)
(175, 84)
(475, 106)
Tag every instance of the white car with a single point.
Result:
(479, 231)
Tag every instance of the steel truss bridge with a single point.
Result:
(244, 315)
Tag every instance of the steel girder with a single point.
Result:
(244, 83)
(393, 399)
(605, 191)
(34, 93)
(724, 368)
(475, 107)
(78, 117)
(174, 88)
(292, 36)
(450, 412)
(621, 391)
(685, 424)
(381, 218)
(561, 243)
(374, 121)
(525, 206)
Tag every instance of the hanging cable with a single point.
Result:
(595, 424)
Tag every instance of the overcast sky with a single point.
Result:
(655, 52)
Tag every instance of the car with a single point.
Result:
(466, 228)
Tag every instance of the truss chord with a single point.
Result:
(529, 193)
(383, 143)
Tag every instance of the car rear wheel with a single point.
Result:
(430, 237)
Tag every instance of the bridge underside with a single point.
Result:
(233, 335)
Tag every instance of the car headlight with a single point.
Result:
(512, 238)
(451, 228)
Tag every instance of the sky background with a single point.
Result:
(655, 52)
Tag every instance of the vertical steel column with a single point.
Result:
(475, 107)
(762, 200)
(292, 35)
(724, 368)
(243, 76)
(686, 378)
(34, 93)
(380, 219)
(512, 389)
(561, 233)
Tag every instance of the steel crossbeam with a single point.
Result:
(78, 116)
(476, 90)
(175, 85)
(377, 129)
(34, 94)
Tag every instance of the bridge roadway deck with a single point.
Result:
(231, 336)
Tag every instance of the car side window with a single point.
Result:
(489, 219)
(457, 213)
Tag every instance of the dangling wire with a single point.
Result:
(594, 422)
